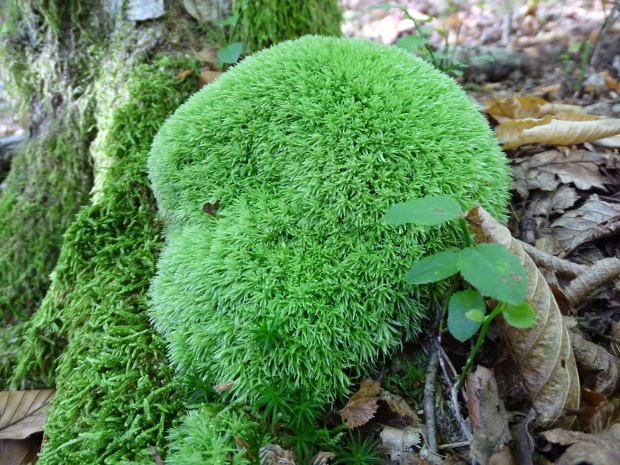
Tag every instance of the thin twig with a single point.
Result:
(156, 456)
(609, 21)
(429, 398)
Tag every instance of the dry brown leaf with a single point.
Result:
(23, 413)
(612, 142)
(207, 77)
(489, 419)
(362, 405)
(18, 451)
(546, 170)
(614, 334)
(207, 56)
(398, 405)
(322, 458)
(272, 454)
(584, 224)
(553, 131)
(600, 369)
(557, 265)
(599, 449)
(585, 284)
(543, 352)
(517, 107)
(401, 444)
(597, 411)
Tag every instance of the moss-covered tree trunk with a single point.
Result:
(79, 230)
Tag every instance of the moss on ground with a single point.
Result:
(267, 22)
(50, 178)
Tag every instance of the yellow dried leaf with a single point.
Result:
(517, 107)
(549, 130)
(184, 74)
(543, 352)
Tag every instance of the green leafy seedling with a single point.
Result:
(229, 54)
(419, 43)
(489, 268)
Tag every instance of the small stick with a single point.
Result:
(429, 399)
(156, 456)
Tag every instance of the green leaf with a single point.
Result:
(433, 268)
(383, 6)
(475, 315)
(230, 54)
(230, 21)
(463, 303)
(411, 43)
(427, 211)
(494, 271)
(482, 57)
(519, 316)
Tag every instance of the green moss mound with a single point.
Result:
(267, 22)
(295, 279)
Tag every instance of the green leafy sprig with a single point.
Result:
(418, 43)
(491, 271)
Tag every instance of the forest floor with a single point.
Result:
(566, 210)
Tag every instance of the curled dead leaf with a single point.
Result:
(491, 437)
(543, 352)
(600, 449)
(601, 369)
(589, 222)
(553, 131)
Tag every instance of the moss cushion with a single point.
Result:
(273, 180)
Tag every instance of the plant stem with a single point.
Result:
(466, 233)
(483, 331)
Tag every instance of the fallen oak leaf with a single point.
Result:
(401, 444)
(272, 454)
(600, 369)
(586, 283)
(223, 387)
